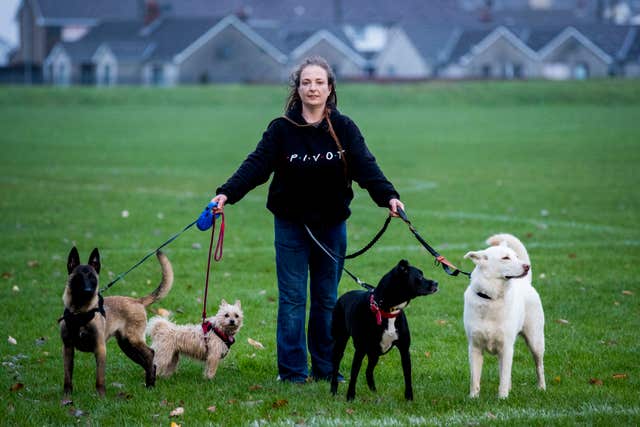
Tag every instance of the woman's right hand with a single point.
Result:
(220, 199)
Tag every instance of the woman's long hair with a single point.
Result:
(294, 101)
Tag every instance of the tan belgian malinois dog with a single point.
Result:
(89, 320)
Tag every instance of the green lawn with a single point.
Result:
(553, 163)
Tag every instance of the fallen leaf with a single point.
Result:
(572, 255)
(557, 379)
(12, 340)
(174, 424)
(595, 381)
(427, 354)
(255, 344)
(627, 293)
(6, 275)
(32, 263)
(255, 387)
(616, 303)
(350, 411)
(442, 322)
(177, 412)
(16, 387)
(562, 321)
(491, 416)
(77, 412)
(620, 376)
(279, 403)
(212, 408)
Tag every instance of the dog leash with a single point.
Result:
(335, 257)
(217, 256)
(204, 221)
(171, 239)
(447, 266)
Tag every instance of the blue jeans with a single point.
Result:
(297, 258)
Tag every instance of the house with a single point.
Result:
(74, 62)
(400, 58)
(492, 54)
(167, 51)
(346, 62)
(44, 23)
(591, 51)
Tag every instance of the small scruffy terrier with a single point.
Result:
(209, 342)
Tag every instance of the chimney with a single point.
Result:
(151, 11)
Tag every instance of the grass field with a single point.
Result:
(553, 163)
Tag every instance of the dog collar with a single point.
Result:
(483, 295)
(373, 305)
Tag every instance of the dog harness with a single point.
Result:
(373, 305)
(229, 340)
(75, 321)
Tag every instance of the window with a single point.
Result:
(106, 75)
(86, 74)
(157, 75)
(486, 71)
(581, 71)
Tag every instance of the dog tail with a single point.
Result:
(513, 242)
(165, 285)
(155, 325)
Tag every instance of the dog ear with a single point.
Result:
(94, 260)
(403, 265)
(476, 256)
(237, 303)
(73, 260)
(223, 302)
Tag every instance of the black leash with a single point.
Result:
(335, 257)
(447, 266)
(171, 239)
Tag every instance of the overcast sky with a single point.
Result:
(8, 27)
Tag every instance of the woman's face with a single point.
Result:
(314, 87)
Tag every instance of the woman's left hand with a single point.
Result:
(394, 205)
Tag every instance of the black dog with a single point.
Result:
(376, 322)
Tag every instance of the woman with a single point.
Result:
(314, 153)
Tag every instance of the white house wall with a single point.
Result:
(400, 59)
(572, 53)
(500, 56)
(230, 56)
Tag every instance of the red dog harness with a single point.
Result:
(373, 305)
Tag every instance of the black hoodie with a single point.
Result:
(309, 183)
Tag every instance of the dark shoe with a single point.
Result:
(328, 378)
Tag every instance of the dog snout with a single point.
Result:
(526, 267)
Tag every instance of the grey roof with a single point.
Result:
(107, 31)
(609, 38)
(434, 42)
(173, 35)
(67, 10)
(313, 11)
(466, 41)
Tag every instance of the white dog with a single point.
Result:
(500, 304)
